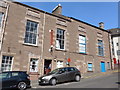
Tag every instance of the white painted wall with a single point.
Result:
(115, 41)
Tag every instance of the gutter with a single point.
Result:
(42, 48)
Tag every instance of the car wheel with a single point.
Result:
(77, 78)
(53, 81)
(22, 85)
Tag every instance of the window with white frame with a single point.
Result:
(60, 39)
(90, 67)
(6, 63)
(31, 32)
(82, 44)
(100, 48)
(59, 64)
(34, 65)
(1, 18)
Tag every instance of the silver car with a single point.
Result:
(60, 75)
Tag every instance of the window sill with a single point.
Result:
(27, 44)
(61, 50)
(101, 56)
(83, 53)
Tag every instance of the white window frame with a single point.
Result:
(82, 44)
(57, 41)
(36, 64)
(60, 63)
(7, 62)
(29, 43)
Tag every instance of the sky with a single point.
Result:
(90, 12)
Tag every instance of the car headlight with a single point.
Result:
(47, 77)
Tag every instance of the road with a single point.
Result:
(103, 81)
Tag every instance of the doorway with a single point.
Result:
(102, 64)
(47, 66)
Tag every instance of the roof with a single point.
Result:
(115, 31)
(61, 16)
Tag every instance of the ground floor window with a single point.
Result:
(6, 63)
(59, 64)
(90, 67)
(33, 65)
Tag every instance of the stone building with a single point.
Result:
(32, 40)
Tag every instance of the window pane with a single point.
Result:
(33, 65)
(1, 17)
(60, 39)
(6, 63)
(82, 44)
(89, 66)
(100, 48)
(31, 32)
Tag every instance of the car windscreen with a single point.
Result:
(54, 71)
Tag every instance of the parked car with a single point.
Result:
(14, 79)
(60, 75)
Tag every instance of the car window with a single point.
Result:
(62, 70)
(4, 75)
(14, 74)
(71, 69)
(54, 71)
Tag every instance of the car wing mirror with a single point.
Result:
(60, 72)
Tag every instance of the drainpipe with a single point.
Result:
(3, 30)
(42, 48)
(109, 37)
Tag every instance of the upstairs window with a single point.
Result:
(100, 48)
(1, 18)
(60, 39)
(82, 44)
(31, 32)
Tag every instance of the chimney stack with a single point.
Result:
(57, 9)
(101, 25)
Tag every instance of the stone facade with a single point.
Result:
(13, 35)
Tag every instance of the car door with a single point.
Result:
(5, 79)
(62, 75)
(71, 73)
(14, 79)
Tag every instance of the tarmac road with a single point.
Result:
(107, 80)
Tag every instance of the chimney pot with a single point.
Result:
(101, 25)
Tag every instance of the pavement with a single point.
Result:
(92, 75)
(86, 76)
